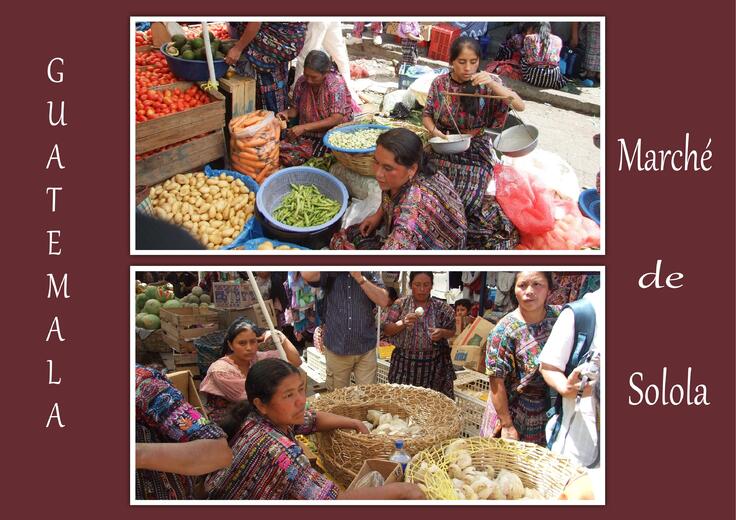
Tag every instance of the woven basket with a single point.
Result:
(537, 467)
(361, 163)
(343, 451)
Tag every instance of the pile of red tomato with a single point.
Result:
(156, 72)
(142, 38)
(152, 104)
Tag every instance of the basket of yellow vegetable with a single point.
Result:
(476, 468)
(353, 145)
(420, 417)
(301, 205)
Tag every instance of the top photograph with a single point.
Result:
(416, 136)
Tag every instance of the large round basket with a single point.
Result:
(537, 467)
(343, 451)
(359, 161)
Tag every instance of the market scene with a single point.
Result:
(347, 135)
(373, 385)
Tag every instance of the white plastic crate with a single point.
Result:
(468, 395)
(382, 371)
(316, 361)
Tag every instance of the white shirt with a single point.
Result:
(576, 438)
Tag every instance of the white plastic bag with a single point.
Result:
(359, 210)
(391, 99)
(250, 131)
(420, 87)
(359, 186)
(553, 171)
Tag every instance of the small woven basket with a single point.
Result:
(537, 467)
(344, 451)
(358, 162)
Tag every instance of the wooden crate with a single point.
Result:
(182, 326)
(186, 157)
(240, 95)
(253, 313)
(174, 128)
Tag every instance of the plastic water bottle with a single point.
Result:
(400, 456)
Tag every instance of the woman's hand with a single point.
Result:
(370, 224)
(410, 319)
(436, 334)
(483, 78)
(573, 385)
(509, 432)
(296, 131)
(283, 115)
(360, 427)
(233, 55)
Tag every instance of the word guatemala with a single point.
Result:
(55, 76)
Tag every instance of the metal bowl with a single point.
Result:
(517, 141)
(455, 143)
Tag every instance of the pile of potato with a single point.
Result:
(213, 209)
(473, 483)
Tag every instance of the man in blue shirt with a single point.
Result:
(350, 333)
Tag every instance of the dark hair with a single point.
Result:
(263, 378)
(235, 328)
(318, 61)
(414, 274)
(547, 275)
(406, 146)
(392, 294)
(468, 104)
(543, 29)
(464, 302)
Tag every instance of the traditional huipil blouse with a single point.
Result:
(268, 464)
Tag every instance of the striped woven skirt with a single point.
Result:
(542, 76)
(431, 369)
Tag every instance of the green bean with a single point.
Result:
(305, 206)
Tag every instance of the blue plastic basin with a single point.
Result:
(193, 70)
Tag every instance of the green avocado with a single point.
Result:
(179, 40)
(187, 55)
(197, 43)
(199, 54)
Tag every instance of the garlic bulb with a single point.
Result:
(419, 311)
(510, 484)
(533, 494)
(459, 444)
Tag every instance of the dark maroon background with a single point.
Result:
(668, 461)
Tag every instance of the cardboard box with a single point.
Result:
(390, 471)
(467, 355)
(233, 295)
(475, 334)
(184, 382)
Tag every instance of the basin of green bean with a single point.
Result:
(305, 206)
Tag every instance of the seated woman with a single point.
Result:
(268, 463)
(224, 384)
(321, 100)
(540, 57)
(471, 171)
(422, 353)
(419, 210)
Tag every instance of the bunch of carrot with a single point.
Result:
(257, 153)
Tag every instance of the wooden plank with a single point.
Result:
(183, 158)
(180, 126)
(242, 90)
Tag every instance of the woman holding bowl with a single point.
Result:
(471, 171)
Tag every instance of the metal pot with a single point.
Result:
(517, 141)
(453, 144)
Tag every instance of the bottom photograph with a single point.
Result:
(307, 386)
